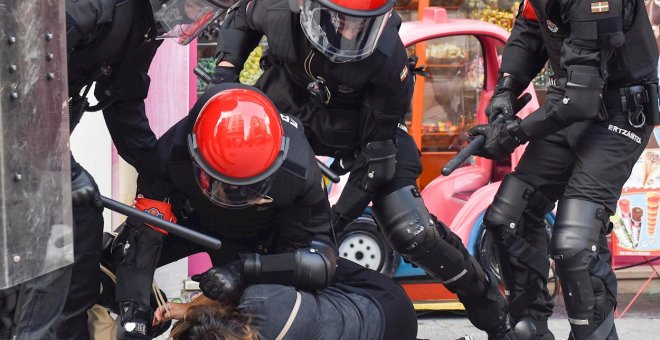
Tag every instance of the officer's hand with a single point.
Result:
(225, 74)
(222, 283)
(85, 192)
(506, 104)
(342, 166)
(499, 142)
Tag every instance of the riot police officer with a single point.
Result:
(111, 43)
(341, 68)
(236, 169)
(583, 143)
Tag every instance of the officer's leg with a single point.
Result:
(539, 309)
(588, 282)
(8, 299)
(429, 244)
(519, 210)
(137, 252)
(39, 305)
(85, 277)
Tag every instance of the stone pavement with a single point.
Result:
(641, 322)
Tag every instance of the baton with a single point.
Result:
(475, 145)
(183, 232)
(201, 73)
(328, 172)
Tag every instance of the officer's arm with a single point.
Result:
(524, 54)
(309, 268)
(131, 133)
(595, 31)
(237, 37)
(306, 255)
(84, 18)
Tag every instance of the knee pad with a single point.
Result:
(509, 203)
(583, 274)
(413, 232)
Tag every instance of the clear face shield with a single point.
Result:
(341, 37)
(184, 20)
(232, 196)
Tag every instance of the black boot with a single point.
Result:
(134, 321)
(488, 310)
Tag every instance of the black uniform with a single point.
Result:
(362, 304)
(584, 141)
(354, 112)
(299, 212)
(111, 42)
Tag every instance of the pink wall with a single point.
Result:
(172, 93)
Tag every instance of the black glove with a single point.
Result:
(84, 192)
(501, 139)
(342, 166)
(224, 74)
(505, 99)
(222, 283)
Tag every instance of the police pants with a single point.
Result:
(589, 161)
(85, 277)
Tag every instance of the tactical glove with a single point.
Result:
(501, 139)
(505, 99)
(85, 192)
(223, 283)
(224, 74)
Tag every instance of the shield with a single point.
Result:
(35, 182)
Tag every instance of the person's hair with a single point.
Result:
(214, 322)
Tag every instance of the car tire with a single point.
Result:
(362, 242)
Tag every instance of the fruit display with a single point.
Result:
(208, 64)
(501, 13)
(251, 70)
(498, 17)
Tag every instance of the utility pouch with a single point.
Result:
(652, 108)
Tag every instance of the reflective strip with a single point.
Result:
(292, 317)
(579, 322)
(402, 127)
(456, 277)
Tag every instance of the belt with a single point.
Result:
(633, 101)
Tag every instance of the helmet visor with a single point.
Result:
(186, 19)
(341, 37)
(229, 195)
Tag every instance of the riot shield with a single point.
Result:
(35, 183)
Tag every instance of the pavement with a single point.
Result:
(640, 322)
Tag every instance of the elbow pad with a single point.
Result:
(310, 268)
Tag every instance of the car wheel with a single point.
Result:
(363, 243)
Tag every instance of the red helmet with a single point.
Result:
(237, 144)
(344, 30)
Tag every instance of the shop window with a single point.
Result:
(452, 90)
